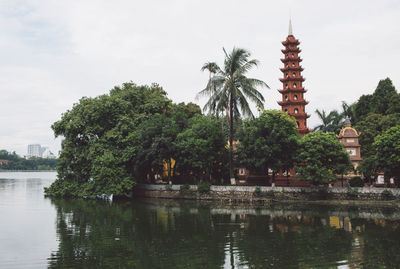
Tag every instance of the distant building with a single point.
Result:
(36, 150)
(348, 136)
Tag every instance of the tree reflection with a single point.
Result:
(153, 234)
(128, 235)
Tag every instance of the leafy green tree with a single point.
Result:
(201, 149)
(229, 90)
(268, 142)
(378, 102)
(155, 144)
(320, 157)
(387, 152)
(371, 127)
(98, 150)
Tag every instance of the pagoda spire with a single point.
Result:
(292, 91)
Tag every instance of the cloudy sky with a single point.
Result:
(54, 52)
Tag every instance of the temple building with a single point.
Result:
(292, 90)
(293, 101)
(348, 136)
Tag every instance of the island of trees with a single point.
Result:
(12, 161)
(135, 133)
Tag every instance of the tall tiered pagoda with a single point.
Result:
(292, 91)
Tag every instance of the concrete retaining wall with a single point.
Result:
(243, 193)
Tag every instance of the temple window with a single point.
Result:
(298, 124)
(295, 97)
(293, 64)
(286, 86)
(352, 152)
(294, 74)
(294, 85)
(286, 97)
(287, 74)
(293, 55)
(296, 111)
(242, 171)
(286, 110)
(350, 140)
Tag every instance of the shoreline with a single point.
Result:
(337, 196)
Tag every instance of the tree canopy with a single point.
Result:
(268, 142)
(230, 89)
(320, 157)
(387, 152)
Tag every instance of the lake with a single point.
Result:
(38, 232)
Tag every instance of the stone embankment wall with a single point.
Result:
(267, 194)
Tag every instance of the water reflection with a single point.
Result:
(160, 234)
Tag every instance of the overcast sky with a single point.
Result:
(54, 52)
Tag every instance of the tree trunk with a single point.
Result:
(231, 175)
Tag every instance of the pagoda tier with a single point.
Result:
(293, 78)
(291, 59)
(293, 101)
(291, 68)
(289, 89)
(289, 42)
(291, 50)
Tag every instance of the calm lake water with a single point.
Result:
(36, 232)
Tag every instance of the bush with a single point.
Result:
(203, 187)
(387, 195)
(352, 193)
(356, 182)
(184, 188)
(168, 187)
(257, 192)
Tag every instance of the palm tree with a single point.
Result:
(331, 122)
(349, 111)
(229, 88)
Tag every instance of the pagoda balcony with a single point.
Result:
(296, 90)
(288, 49)
(291, 59)
(299, 115)
(292, 68)
(304, 131)
(291, 41)
(292, 79)
(293, 102)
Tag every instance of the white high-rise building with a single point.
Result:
(34, 150)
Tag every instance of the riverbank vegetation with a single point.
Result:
(136, 134)
(372, 115)
(12, 161)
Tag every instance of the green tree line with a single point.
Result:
(376, 117)
(16, 162)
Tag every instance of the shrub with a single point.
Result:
(257, 192)
(184, 188)
(356, 182)
(168, 187)
(387, 195)
(203, 187)
(352, 193)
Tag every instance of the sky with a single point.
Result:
(52, 53)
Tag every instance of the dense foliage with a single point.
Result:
(268, 142)
(131, 135)
(321, 157)
(15, 162)
(230, 90)
(371, 115)
(387, 153)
